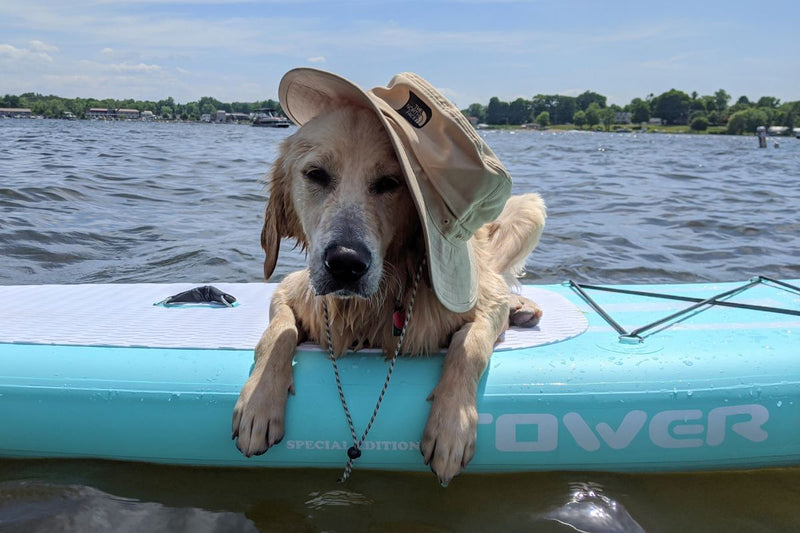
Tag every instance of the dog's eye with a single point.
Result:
(384, 184)
(318, 176)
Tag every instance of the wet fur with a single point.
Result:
(356, 151)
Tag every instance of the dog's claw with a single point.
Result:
(448, 443)
(523, 312)
(258, 418)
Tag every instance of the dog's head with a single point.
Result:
(337, 188)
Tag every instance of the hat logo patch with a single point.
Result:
(415, 111)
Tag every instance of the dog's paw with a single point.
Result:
(448, 442)
(523, 312)
(258, 417)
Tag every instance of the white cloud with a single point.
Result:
(10, 51)
(141, 67)
(13, 53)
(107, 51)
(39, 46)
(118, 68)
(316, 59)
(95, 79)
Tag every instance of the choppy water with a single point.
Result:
(85, 202)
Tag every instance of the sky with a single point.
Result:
(471, 50)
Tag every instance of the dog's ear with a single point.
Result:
(280, 218)
(270, 242)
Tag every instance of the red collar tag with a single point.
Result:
(398, 321)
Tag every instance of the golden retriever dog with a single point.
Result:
(338, 189)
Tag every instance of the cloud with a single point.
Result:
(118, 68)
(107, 51)
(141, 67)
(37, 52)
(316, 59)
(39, 46)
(10, 51)
(99, 79)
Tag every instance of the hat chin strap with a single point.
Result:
(354, 452)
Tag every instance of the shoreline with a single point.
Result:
(621, 128)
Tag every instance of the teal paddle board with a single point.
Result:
(618, 382)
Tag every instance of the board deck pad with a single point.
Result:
(124, 315)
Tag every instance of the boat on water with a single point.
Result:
(268, 118)
(641, 378)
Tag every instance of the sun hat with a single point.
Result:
(456, 181)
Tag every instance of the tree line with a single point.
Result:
(671, 107)
(57, 107)
(587, 109)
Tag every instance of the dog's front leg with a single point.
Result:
(448, 442)
(258, 417)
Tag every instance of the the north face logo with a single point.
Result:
(415, 111)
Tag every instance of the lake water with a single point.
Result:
(84, 202)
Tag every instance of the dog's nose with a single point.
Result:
(345, 263)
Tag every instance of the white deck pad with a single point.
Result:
(124, 315)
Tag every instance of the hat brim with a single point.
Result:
(305, 93)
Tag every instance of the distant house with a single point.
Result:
(148, 116)
(623, 117)
(112, 114)
(238, 117)
(97, 113)
(15, 112)
(220, 116)
(127, 114)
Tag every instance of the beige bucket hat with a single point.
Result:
(455, 179)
